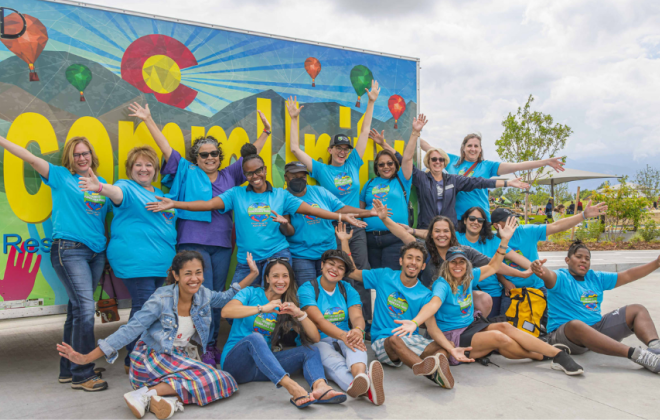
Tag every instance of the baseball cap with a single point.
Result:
(500, 215)
(295, 167)
(341, 256)
(455, 252)
(340, 140)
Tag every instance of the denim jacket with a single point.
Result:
(157, 322)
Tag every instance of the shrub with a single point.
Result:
(649, 232)
(590, 233)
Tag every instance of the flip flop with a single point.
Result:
(311, 401)
(337, 399)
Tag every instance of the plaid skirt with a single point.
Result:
(194, 382)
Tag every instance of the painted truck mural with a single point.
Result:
(71, 70)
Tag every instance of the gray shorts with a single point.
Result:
(612, 325)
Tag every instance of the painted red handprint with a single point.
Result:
(18, 281)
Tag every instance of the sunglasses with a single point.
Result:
(478, 219)
(384, 164)
(438, 159)
(205, 155)
(251, 174)
(277, 259)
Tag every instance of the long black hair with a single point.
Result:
(486, 232)
(179, 260)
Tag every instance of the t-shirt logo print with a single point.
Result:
(259, 212)
(511, 263)
(343, 181)
(380, 191)
(308, 216)
(168, 214)
(94, 201)
(462, 172)
(264, 324)
(397, 304)
(589, 299)
(465, 302)
(335, 314)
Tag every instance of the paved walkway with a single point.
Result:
(605, 260)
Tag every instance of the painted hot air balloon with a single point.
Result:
(361, 78)
(397, 106)
(30, 44)
(79, 76)
(313, 67)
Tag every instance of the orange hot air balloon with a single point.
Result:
(313, 67)
(30, 44)
(397, 106)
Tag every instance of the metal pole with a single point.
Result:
(577, 200)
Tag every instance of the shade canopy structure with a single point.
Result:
(553, 178)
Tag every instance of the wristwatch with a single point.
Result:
(259, 309)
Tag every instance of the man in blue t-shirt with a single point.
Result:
(400, 296)
(575, 296)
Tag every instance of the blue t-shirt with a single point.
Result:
(490, 284)
(479, 197)
(393, 300)
(263, 323)
(457, 309)
(524, 242)
(342, 181)
(77, 216)
(390, 193)
(142, 243)
(256, 232)
(333, 306)
(572, 299)
(313, 235)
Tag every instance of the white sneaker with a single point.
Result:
(359, 386)
(138, 401)
(649, 360)
(164, 407)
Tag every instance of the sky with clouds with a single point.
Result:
(592, 64)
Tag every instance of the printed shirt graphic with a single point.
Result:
(457, 309)
(393, 300)
(479, 197)
(489, 285)
(142, 243)
(314, 235)
(184, 332)
(389, 192)
(77, 216)
(256, 232)
(572, 299)
(524, 241)
(342, 181)
(263, 323)
(333, 307)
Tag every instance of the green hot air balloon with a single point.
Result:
(361, 78)
(79, 76)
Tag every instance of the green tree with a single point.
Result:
(648, 180)
(531, 135)
(497, 192)
(625, 207)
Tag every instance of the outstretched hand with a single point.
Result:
(291, 107)
(419, 123)
(68, 352)
(90, 182)
(250, 262)
(278, 218)
(595, 210)
(162, 205)
(407, 328)
(507, 231)
(381, 210)
(264, 120)
(459, 354)
(351, 219)
(557, 163)
(341, 232)
(537, 267)
(378, 138)
(373, 93)
(138, 111)
(518, 183)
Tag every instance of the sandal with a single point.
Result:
(337, 399)
(311, 401)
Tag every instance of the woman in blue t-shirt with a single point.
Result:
(142, 243)
(262, 316)
(200, 178)
(453, 309)
(77, 251)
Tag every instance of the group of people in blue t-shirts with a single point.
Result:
(308, 259)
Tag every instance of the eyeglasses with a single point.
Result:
(388, 164)
(205, 155)
(438, 159)
(478, 219)
(79, 155)
(251, 174)
(344, 149)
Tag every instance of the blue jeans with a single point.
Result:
(384, 250)
(306, 270)
(338, 365)
(216, 266)
(141, 289)
(252, 360)
(79, 269)
(242, 270)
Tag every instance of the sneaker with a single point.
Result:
(164, 407)
(92, 385)
(443, 376)
(68, 379)
(127, 369)
(209, 358)
(426, 367)
(359, 386)
(562, 347)
(376, 393)
(138, 401)
(654, 350)
(217, 354)
(649, 360)
(563, 361)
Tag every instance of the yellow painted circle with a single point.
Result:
(161, 74)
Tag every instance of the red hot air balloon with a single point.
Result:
(30, 44)
(313, 67)
(397, 106)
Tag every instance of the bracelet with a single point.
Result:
(415, 322)
(339, 216)
(501, 253)
(416, 133)
(267, 132)
(101, 189)
(349, 253)
(583, 216)
(505, 184)
(259, 309)
(502, 246)
(414, 232)
(302, 318)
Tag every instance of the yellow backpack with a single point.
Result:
(526, 310)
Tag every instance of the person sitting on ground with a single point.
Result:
(400, 296)
(575, 296)
(262, 316)
(165, 369)
(335, 307)
(452, 307)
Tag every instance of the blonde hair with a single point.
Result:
(67, 153)
(446, 274)
(427, 157)
(146, 152)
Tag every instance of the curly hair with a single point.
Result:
(486, 232)
(575, 246)
(414, 245)
(430, 245)
(193, 151)
(179, 260)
